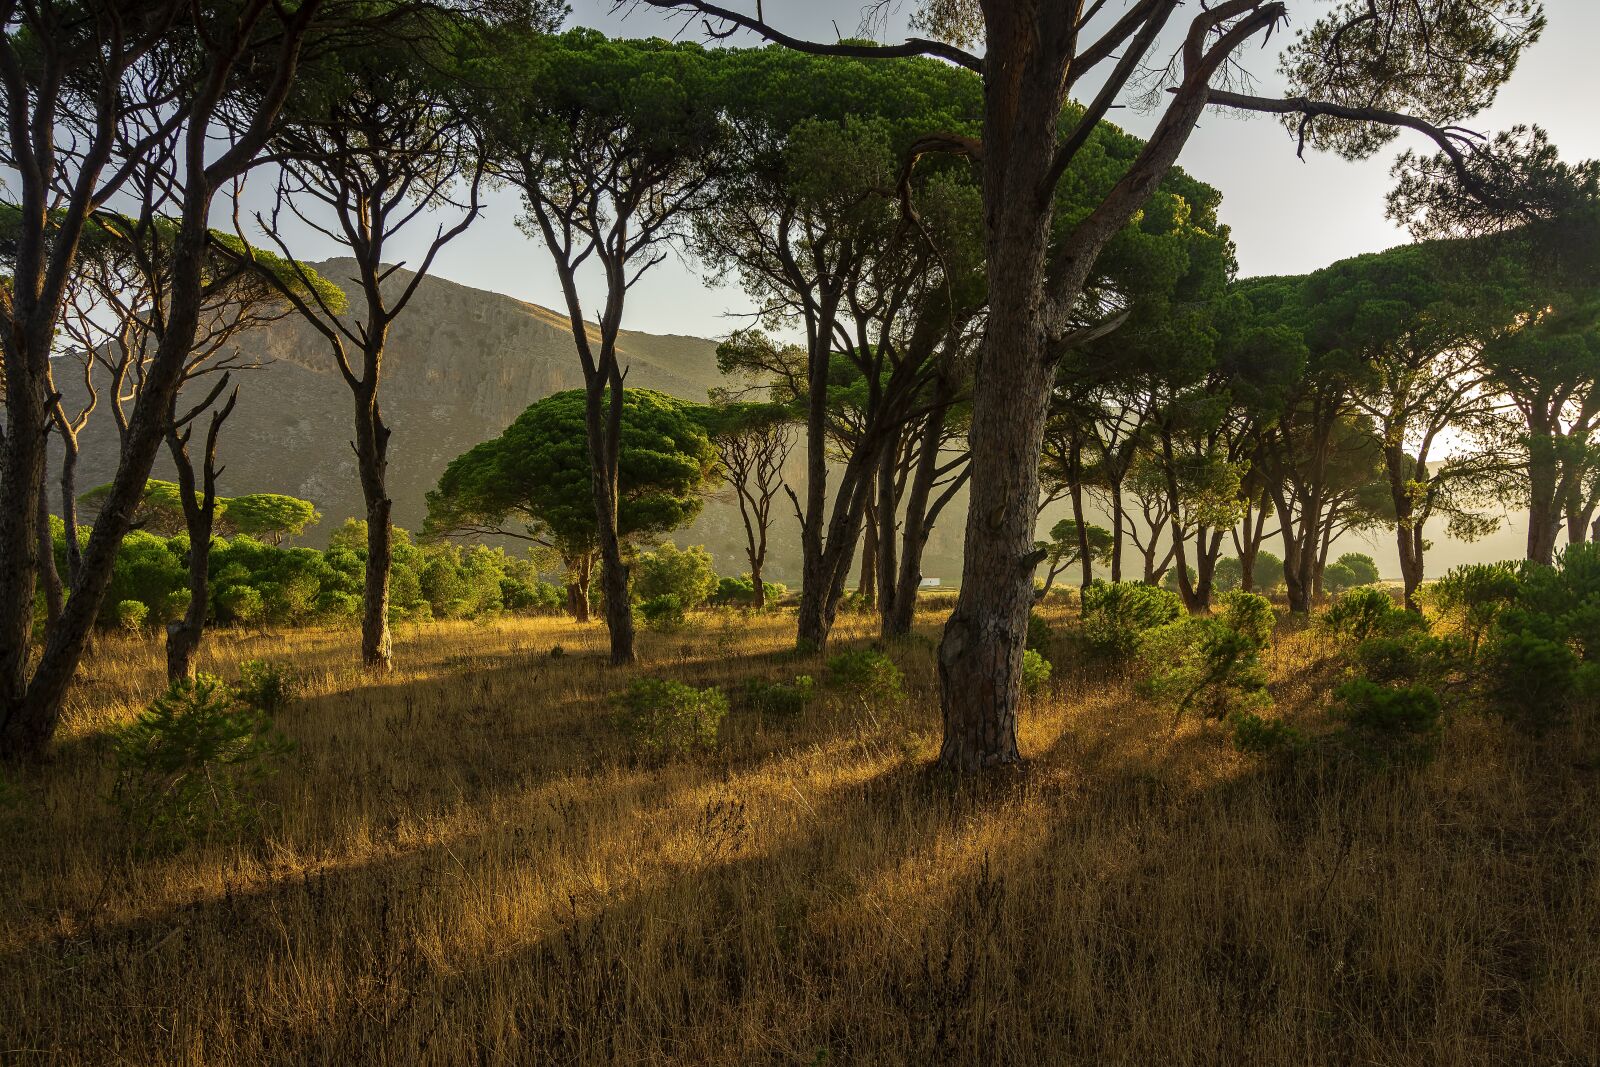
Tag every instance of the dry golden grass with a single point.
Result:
(465, 866)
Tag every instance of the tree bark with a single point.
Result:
(50, 577)
(372, 463)
(603, 417)
(918, 524)
(980, 655)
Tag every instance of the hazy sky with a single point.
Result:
(1287, 215)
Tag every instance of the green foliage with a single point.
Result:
(266, 686)
(869, 674)
(664, 717)
(1256, 735)
(1361, 566)
(1472, 596)
(687, 574)
(1035, 672)
(742, 591)
(664, 613)
(1363, 612)
(781, 698)
(259, 584)
(271, 516)
(1384, 723)
(1266, 575)
(131, 615)
(1337, 578)
(188, 768)
(1212, 663)
(535, 477)
(1040, 633)
(1116, 616)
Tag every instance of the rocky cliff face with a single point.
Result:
(461, 364)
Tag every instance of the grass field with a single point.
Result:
(464, 864)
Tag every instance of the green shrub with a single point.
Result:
(266, 686)
(665, 717)
(1035, 672)
(1210, 663)
(1040, 633)
(781, 698)
(1472, 597)
(241, 603)
(1116, 615)
(175, 605)
(1384, 723)
(1260, 736)
(687, 574)
(664, 613)
(189, 766)
(131, 615)
(869, 674)
(1530, 669)
(1250, 615)
(1364, 612)
(1404, 656)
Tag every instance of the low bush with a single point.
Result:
(1116, 615)
(1035, 672)
(1258, 736)
(1386, 723)
(687, 574)
(1210, 663)
(131, 615)
(781, 698)
(267, 686)
(868, 674)
(663, 613)
(1040, 633)
(664, 717)
(189, 767)
(1364, 612)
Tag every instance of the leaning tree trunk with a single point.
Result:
(917, 524)
(30, 709)
(827, 558)
(372, 461)
(49, 576)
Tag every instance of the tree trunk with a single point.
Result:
(1118, 516)
(23, 728)
(49, 576)
(1544, 515)
(372, 461)
(867, 582)
(1075, 471)
(980, 656)
(887, 565)
(69, 502)
(827, 559)
(30, 709)
(917, 525)
(603, 420)
(579, 572)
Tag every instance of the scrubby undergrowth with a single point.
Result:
(467, 861)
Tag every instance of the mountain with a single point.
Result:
(460, 365)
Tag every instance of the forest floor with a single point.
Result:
(464, 864)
